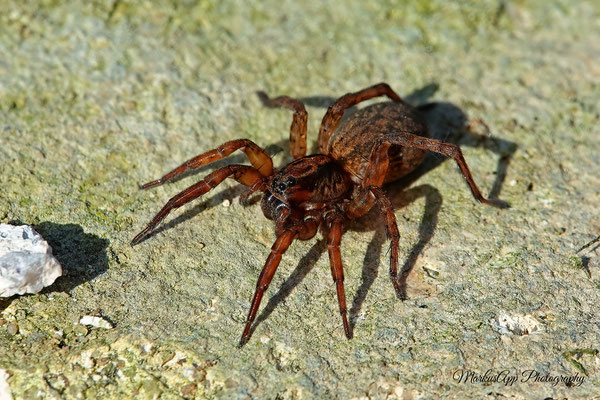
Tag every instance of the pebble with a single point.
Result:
(26, 261)
(96, 322)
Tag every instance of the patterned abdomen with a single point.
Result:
(352, 142)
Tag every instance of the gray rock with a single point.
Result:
(26, 261)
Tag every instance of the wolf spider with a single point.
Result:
(376, 145)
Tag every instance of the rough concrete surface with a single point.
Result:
(97, 97)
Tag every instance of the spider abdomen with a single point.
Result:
(352, 143)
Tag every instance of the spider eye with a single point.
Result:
(282, 185)
(290, 181)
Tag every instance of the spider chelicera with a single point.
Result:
(376, 145)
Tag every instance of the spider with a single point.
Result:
(376, 145)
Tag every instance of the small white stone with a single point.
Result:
(147, 348)
(516, 324)
(26, 261)
(265, 339)
(5, 393)
(226, 203)
(86, 360)
(189, 373)
(96, 322)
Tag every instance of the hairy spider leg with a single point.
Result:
(259, 159)
(374, 176)
(298, 127)
(334, 239)
(249, 191)
(361, 204)
(336, 110)
(280, 246)
(246, 175)
(447, 149)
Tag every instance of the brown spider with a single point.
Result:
(378, 144)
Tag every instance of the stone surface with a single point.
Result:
(99, 97)
(26, 261)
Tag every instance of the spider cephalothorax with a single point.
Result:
(310, 180)
(306, 189)
(378, 144)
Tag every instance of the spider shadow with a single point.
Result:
(82, 256)
(370, 222)
(450, 124)
(304, 266)
(400, 197)
(228, 194)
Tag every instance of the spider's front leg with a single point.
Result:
(298, 127)
(283, 241)
(334, 239)
(259, 159)
(244, 174)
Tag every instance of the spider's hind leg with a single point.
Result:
(337, 269)
(446, 149)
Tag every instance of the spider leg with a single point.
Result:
(264, 279)
(302, 231)
(447, 149)
(244, 174)
(258, 185)
(298, 127)
(259, 159)
(337, 270)
(336, 110)
(361, 204)
(374, 176)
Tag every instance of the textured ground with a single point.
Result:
(98, 97)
